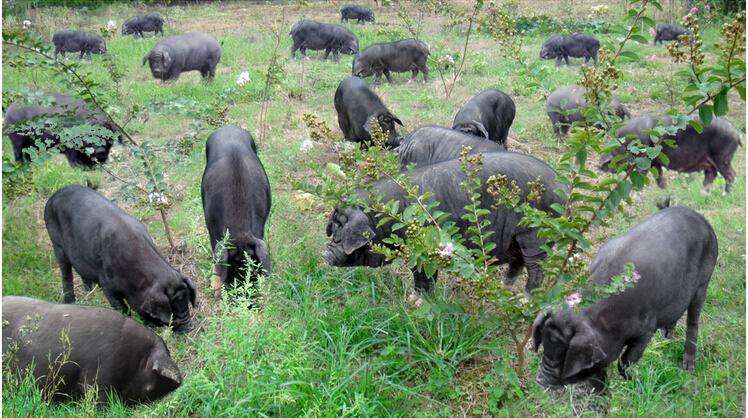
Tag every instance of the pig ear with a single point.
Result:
(482, 129)
(357, 238)
(396, 119)
(537, 329)
(155, 304)
(167, 371)
(261, 252)
(328, 229)
(191, 289)
(583, 353)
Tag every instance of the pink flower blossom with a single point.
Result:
(446, 250)
(694, 10)
(574, 299)
(635, 276)
(652, 58)
(652, 31)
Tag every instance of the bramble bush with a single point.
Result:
(432, 243)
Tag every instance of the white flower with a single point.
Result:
(446, 250)
(574, 299)
(111, 26)
(243, 78)
(157, 198)
(26, 24)
(450, 59)
(306, 145)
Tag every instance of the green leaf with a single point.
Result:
(633, 56)
(741, 90)
(696, 125)
(639, 38)
(720, 103)
(705, 113)
(558, 208)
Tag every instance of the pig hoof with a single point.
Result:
(689, 364)
(667, 333)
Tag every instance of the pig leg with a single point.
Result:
(115, 300)
(294, 48)
(515, 268)
(729, 174)
(710, 173)
(66, 269)
(424, 69)
(423, 283)
(327, 53)
(388, 75)
(597, 380)
(661, 183)
(692, 329)
(667, 332)
(633, 353)
(414, 74)
(531, 256)
(377, 77)
(566, 59)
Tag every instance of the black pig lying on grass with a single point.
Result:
(578, 45)
(236, 198)
(108, 247)
(73, 348)
(308, 34)
(136, 25)
(86, 43)
(353, 231)
(564, 107)
(69, 112)
(434, 144)
(668, 32)
(361, 14)
(401, 56)
(358, 108)
(194, 51)
(674, 253)
(488, 114)
(710, 151)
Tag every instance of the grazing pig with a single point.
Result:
(67, 112)
(434, 144)
(361, 14)
(86, 43)
(668, 32)
(308, 34)
(578, 45)
(194, 51)
(401, 56)
(236, 199)
(358, 108)
(674, 253)
(564, 106)
(136, 25)
(74, 348)
(711, 151)
(353, 231)
(488, 114)
(108, 247)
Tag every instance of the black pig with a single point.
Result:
(308, 34)
(401, 56)
(86, 43)
(361, 14)
(358, 107)
(66, 111)
(488, 114)
(73, 348)
(434, 144)
(674, 253)
(578, 45)
(710, 151)
(236, 198)
(194, 51)
(668, 32)
(108, 247)
(136, 25)
(353, 231)
(564, 106)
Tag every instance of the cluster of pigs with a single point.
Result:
(674, 248)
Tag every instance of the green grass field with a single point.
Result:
(345, 342)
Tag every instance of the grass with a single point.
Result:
(344, 342)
